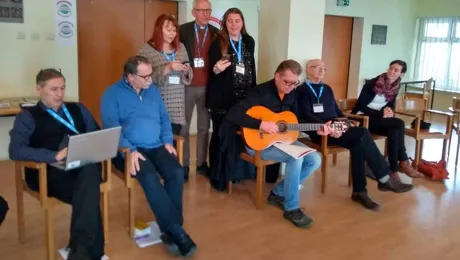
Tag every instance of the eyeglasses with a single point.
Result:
(317, 67)
(146, 77)
(203, 10)
(290, 84)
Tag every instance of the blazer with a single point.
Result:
(365, 98)
(188, 38)
(219, 90)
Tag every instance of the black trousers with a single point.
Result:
(165, 200)
(214, 144)
(393, 128)
(362, 149)
(79, 188)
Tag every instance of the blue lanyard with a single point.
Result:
(238, 52)
(71, 126)
(173, 56)
(198, 40)
(314, 92)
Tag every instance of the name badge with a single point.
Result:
(240, 68)
(318, 108)
(198, 62)
(174, 80)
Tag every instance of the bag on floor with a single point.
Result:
(434, 170)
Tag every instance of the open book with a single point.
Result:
(295, 151)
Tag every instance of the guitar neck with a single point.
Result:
(304, 127)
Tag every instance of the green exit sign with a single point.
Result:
(343, 2)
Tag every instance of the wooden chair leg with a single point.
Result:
(417, 153)
(450, 142)
(334, 159)
(20, 204)
(324, 174)
(131, 209)
(444, 147)
(350, 176)
(229, 187)
(260, 181)
(105, 216)
(458, 146)
(50, 250)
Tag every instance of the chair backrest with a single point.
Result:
(456, 103)
(414, 106)
(346, 104)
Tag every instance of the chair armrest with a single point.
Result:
(42, 177)
(361, 118)
(126, 172)
(449, 121)
(405, 114)
(439, 112)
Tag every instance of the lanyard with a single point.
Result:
(314, 92)
(173, 56)
(198, 40)
(71, 126)
(238, 52)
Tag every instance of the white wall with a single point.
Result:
(398, 15)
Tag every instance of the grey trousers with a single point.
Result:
(196, 96)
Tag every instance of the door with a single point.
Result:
(109, 31)
(336, 53)
(153, 9)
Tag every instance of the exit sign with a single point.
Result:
(343, 2)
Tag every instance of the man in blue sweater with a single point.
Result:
(316, 104)
(135, 104)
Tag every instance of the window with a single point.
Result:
(438, 54)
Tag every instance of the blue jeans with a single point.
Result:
(165, 200)
(296, 172)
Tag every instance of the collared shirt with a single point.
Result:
(23, 129)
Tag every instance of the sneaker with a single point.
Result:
(168, 241)
(203, 169)
(298, 218)
(275, 200)
(363, 199)
(395, 186)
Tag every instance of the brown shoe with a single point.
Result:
(406, 168)
(395, 176)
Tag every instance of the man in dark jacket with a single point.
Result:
(37, 135)
(277, 96)
(317, 105)
(196, 37)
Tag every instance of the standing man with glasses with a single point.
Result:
(196, 37)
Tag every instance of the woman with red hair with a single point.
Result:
(171, 69)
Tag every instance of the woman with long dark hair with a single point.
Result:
(377, 100)
(231, 71)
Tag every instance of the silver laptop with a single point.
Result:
(90, 148)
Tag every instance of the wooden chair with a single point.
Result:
(47, 203)
(413, 107)
(425, 93)
(347, 105)
(455, 110)
(130, 183)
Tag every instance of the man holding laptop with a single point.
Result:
(135, 104)
(39, 134)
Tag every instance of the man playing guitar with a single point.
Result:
(277, 96)
(317, 105)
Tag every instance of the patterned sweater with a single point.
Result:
(173, 94)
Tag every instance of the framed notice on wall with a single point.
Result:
(379, 34)
(11, 11)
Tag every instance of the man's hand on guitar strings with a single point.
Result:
(269, 127)
(325, 129)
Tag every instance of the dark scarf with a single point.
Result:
(383, 87)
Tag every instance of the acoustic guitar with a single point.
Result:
(288, 127)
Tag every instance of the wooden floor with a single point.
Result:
(422, 224)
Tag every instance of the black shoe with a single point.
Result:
(203, 169)
(186, 245)
(275, 200)
(168, 241)
(80, 253)
(363, 199)
(186, 173)
(298, 218)
(395, 186)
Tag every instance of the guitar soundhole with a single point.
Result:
(282, 127)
